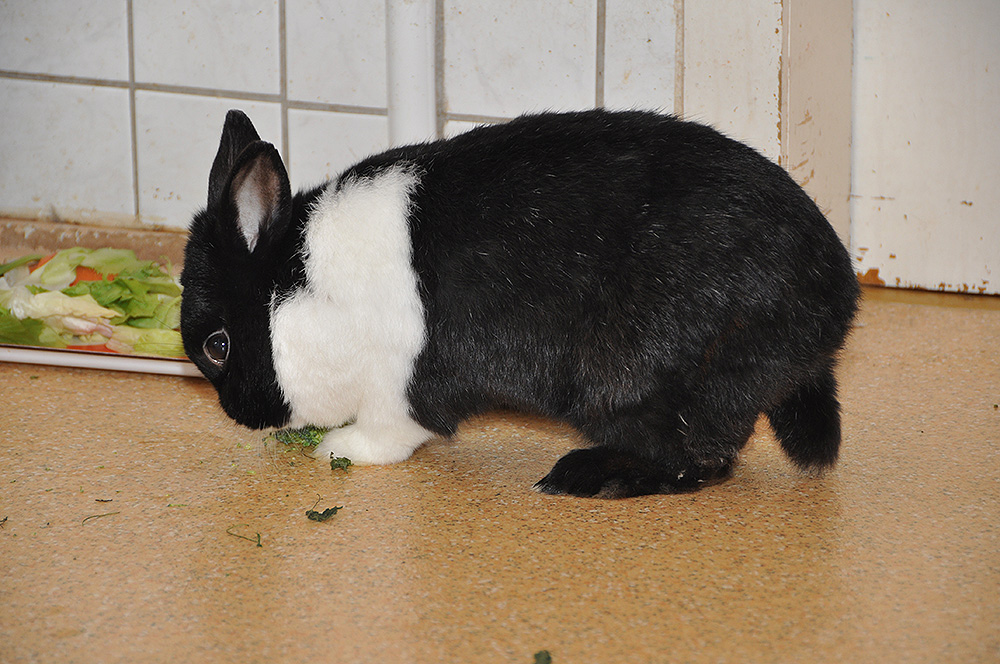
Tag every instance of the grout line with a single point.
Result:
(195, 92)
(602, 24)
(55, 78)
(133, 122)
(679, 58)
(209, 92)
(336, 108)
(440, 102)
(283, 83)
(470, 117)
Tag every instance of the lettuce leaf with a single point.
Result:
(166, 315)
(112, 261)
(147, 342)
(24, 304)
(60, 272)
(141, 293)
(23, 260)
(28, 332)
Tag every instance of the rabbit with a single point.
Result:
(643, 278)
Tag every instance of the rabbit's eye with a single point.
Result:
(217, 347)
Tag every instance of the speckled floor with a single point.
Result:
(139, 525)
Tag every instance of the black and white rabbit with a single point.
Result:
(648, 280)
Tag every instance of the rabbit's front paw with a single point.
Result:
(366, 446)
(346, 442)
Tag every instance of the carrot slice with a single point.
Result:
(88, 274)
(83, 273)
(42, 262)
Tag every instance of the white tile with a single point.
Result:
(639, 54)
(66, 149)
(453, 128)
(732, 56)
(322, 145)
(177, 137)
(88, 39)
(218, 44)
(506, 57)
(336, 52)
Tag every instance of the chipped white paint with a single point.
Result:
(816, 56)
(925, 188)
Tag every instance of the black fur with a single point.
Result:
(242, 282)
(648, 280)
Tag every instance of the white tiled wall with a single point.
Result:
(111, 109)
(505, 57)
(336, 52)
(65, 145)
(221, 44)
(640, 58)
(728, 55)
(67, 38)
(176, 139)
(84, 140)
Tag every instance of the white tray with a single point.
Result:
(93, 360)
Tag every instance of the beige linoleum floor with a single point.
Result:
(140, 526)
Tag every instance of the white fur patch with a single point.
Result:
(345, 346)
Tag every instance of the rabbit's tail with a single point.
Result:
(807, 422)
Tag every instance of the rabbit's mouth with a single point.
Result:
(258, 410)
(255, 420)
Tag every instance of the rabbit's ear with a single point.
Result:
(261, 194)
(237, 133)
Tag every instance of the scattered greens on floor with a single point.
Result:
(256, 539)
(340, 463)
(91, 299)
(305, 437)
(325, 515)
(309, 437)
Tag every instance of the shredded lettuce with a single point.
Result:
(23, 304)
(135, 308)
(23, 260)
(128, 339)
(112, 261)
(28, 332)
(60, 272)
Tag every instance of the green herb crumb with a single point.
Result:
(325, 515)
(256, 540)
(543, 657)
(343, 463)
